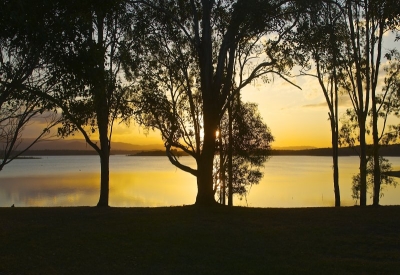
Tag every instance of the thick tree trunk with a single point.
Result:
(102, 112)
(363, 164)
(205, 192)
(104, 180)
(102, 120)
(205, 164)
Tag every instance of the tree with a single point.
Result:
(367, 21)
(186, 88)
(382, 16)
(358, 87)
(15, 116)
(250, 150)
(386, 104)
(21, 69)
(84, 66)
(320, 37)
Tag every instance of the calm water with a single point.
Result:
(289, 181)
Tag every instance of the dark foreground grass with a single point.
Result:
(191, 240)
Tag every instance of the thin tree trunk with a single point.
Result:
(230, 156)
(377, 168)
(335, 159)
(221, 169)
(363, 164)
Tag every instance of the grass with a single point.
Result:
(192, 240)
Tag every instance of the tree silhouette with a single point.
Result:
(191, 51)
(367, 22)
(250, 147)
(22, 67)
(319, 38)
(84, 65)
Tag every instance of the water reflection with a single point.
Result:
(148, 182)
(126, 190)
(152, 189)
(71, 190)
(301, 181)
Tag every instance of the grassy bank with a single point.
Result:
(190, 240)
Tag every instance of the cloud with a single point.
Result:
(344, 101)
(316, 105)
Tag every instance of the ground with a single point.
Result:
(193, 240)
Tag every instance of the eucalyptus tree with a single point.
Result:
(386, 104)
(85, 65)
(22, 67)
(190, 49)
(383, 17)
(320, 38)
(367, 22)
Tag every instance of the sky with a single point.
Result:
(295, 117)
(283, 108)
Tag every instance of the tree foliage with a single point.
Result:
(250, 150)
(22, 65)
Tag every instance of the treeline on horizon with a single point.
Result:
(388, 151)
(392, 150)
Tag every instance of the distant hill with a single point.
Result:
(80, 144)
(157, 153)
(294, 148)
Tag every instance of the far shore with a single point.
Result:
(393, 174)
(388, 151)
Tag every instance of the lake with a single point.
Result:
(289, 181)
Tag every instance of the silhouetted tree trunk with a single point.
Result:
(335, 159)
(230, 155)
(363, 163)
(205, 193)
(221, 169)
